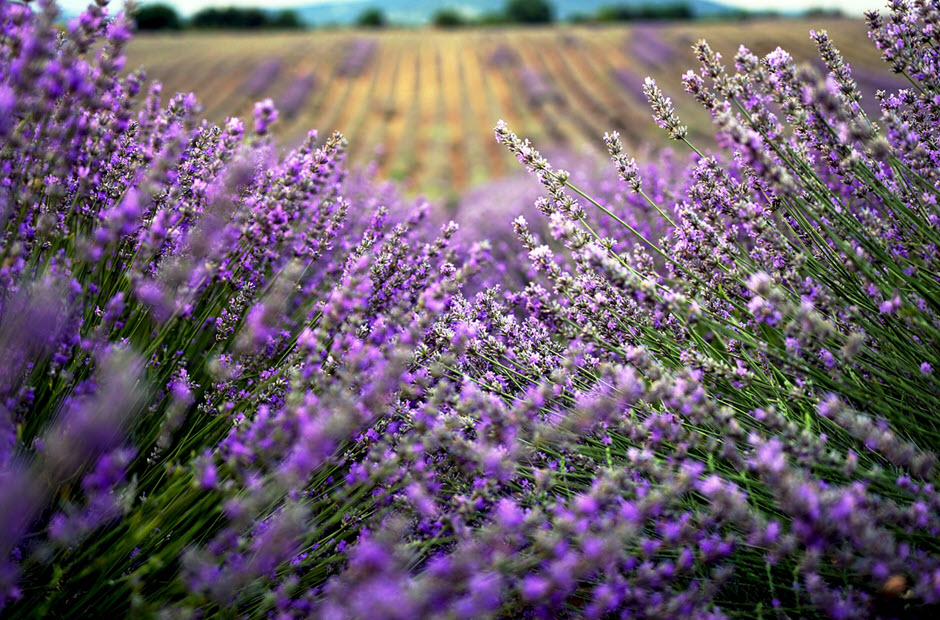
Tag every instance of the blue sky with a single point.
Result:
(187, 7)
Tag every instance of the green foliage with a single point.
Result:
(625, 12)
(529, 11)
(834, 13)
(286, 19)
(372, 17)
(448, 17)
(230, 17)
(492, 18)
(236, 18)
(157, 17)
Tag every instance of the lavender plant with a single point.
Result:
(296, 94)
(537, 88)
(629, 81)
(194, 334)
(503, 56)
(262, 77)
(781, 337)
(358, 55)
(244, 382)
(647, 46)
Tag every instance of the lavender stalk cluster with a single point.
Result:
(538, 88)
(262, 77)
(648, 47)
(359, 55)
(296, 94)
(239, 381)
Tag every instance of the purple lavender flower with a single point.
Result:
(359, 54)
(502, 56)
(649, 49)
(537, 87)
(247, 378)
(265, 113)
(296, 94)
(260, 80)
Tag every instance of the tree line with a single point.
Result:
(164, 17)
(161, 16)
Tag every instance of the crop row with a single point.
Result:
(427, 100)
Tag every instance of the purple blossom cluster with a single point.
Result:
(647, 46)
(502, 56)
(359, 55)
(510, 198)
(262, 77)
(537, 88)
(629, 81)
(240, 381)
(296, 94)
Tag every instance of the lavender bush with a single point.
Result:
(504, 199)
(538, 88)
(629, 81)
(649, 49)
(296, 94)
(503, 56)
(262, 77)
(180, 306)
(247, 383)
(359, 54)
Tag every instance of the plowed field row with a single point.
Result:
(424, 102)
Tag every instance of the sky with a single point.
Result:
(188, 7)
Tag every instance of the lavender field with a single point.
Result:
(243, 377)
(427, 99)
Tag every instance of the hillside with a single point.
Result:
(425, 101)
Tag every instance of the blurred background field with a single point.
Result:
(422, 102)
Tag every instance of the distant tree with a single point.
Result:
(157, 17)
(615, 13)
(230, 18)
(448, 18)
(493, 18)
(627, 12)
(286, 19)
(529, 11)
(254, 18)
(207, 18)
(821, 12)
(372, 17)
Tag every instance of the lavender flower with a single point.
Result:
(538, 90)
(663, 112)
(265, 114)
(260, 80)
(649, 49)
(296, 94)
(358, 56)
(244, 378)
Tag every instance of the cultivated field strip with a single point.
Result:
(380, 107)
(400, 108)
(422, 103)
(423, 152)
(481, 106)
(452, 109)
